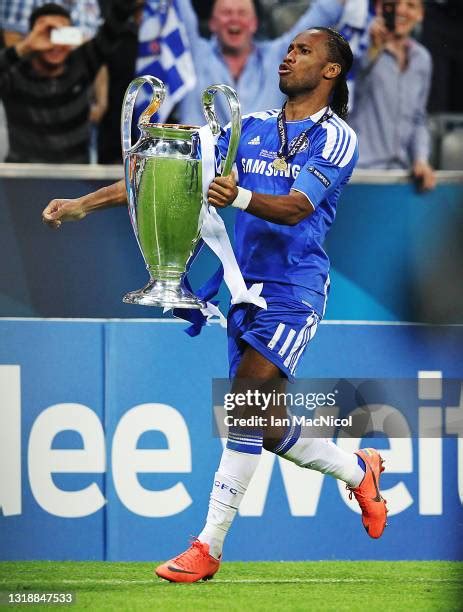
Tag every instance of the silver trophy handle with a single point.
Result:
(159, 93)
(211, 118)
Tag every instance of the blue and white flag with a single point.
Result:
(164, 52)
(354, 26)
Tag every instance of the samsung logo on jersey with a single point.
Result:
(321, 177)
(260, 166)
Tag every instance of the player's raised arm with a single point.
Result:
(60, 210)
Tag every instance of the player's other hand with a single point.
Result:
(58, 211)
(222, 191)
(424, 176)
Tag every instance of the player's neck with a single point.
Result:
(301, 107)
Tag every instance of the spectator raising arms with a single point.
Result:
(233, 57)
(392, 88)
(45, 86)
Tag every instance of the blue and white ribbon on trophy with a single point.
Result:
(214, 234)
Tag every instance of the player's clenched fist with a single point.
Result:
(62, 210)
(222, 191)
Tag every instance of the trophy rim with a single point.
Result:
(172, 126)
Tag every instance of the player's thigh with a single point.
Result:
(254, 366)
(282, 333)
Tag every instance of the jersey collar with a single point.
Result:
(319, 114)
(313, 118)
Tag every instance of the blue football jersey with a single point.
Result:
(290, 259)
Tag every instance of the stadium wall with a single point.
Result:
(396, 254)
(107, 449)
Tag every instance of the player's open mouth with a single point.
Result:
(283, 69)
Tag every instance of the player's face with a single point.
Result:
(234, 22)
(305, 62)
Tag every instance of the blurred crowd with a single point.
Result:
(62, 88)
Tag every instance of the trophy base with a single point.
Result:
(164, 294)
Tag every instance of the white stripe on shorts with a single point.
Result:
(277, 335)
(289, 339)
(299, 340)
(310, 333)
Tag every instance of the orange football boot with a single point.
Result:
(194, 564)
(372, 504)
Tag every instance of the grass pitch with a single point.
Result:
(298, 586)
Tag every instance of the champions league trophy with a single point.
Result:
(163, 176)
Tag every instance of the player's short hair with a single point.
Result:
(339, 52)
(51, 8)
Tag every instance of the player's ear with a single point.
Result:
(331, 71)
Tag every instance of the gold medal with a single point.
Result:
(279, 163)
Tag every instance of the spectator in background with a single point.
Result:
(392, 88)
(45, 87)
(14, 16)
(85, 15)
(233, 57)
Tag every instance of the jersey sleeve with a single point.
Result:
(332, 161)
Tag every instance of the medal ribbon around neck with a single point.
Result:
(280, 162)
